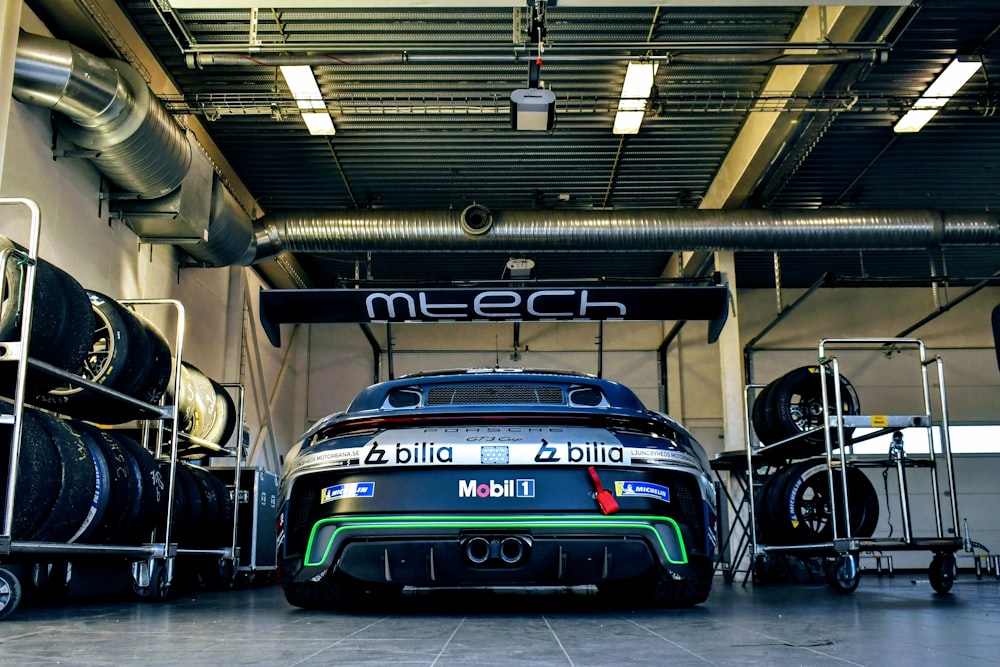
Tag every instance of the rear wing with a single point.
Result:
(500, 304)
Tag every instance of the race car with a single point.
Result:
(496, 478)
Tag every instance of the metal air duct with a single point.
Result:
(136, 143)
(621, 230)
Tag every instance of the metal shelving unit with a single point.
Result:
(152, 563)
(842, 552)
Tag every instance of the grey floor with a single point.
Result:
(887, 621)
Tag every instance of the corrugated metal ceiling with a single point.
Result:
(437, 135)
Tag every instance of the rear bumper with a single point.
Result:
(516, 549)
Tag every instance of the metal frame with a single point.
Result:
(835, 446)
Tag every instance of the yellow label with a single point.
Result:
(880, 421)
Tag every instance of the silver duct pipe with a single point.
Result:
(136, 143)
(203, 60)
(230, 233)
(617, 231)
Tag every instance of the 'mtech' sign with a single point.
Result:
(464, 304)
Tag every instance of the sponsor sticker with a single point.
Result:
(496, 454)
(503, 488)
(350, 490)
(644, 489)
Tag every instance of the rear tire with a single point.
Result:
(336, 590)
(659, 588)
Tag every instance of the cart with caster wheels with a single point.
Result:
(826, 412)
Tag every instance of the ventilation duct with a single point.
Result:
(621, 230)
(108, 109)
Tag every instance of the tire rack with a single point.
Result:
(152, 563)
(844, 550)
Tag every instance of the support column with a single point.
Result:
(731, 360)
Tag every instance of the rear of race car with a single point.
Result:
(496, 479)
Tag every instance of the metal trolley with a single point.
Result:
(842, 553)
(152, 564)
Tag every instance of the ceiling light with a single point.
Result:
(949, 82)
(309, 99)
(635, 94)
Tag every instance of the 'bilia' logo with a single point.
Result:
(417, 453)
(493, 305)
(588, 452)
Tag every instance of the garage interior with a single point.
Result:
(767, 159)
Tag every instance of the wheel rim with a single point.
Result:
(97, 360)
(812, 507)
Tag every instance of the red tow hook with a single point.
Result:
(605, 500)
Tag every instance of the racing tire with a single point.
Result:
(797, 506)
(61, 317)
(120, 358)
(124, 504)
(795, 404)
(161, 364)
(76, 506)
(151, 493)
(38, 473)
(758, 417)
(337, 590)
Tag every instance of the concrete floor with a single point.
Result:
(887, 621)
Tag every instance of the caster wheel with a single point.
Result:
(10, 593)
(842, 574)
(942, 572)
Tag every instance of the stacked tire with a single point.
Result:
(795, 505)
(793, 404)
(206, 410)
(61, 318)
(78, 483)
(81, 484)
(126, 353)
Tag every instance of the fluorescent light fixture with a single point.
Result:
(949, 82)
(635, 93)
(309, 99)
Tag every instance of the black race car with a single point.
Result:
(496, 477)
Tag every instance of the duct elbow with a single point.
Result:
(267, 242)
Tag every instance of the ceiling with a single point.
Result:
(420, 99)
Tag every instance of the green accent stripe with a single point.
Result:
(479, 522)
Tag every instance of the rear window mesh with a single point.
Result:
(492, 394)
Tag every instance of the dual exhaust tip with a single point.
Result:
(510, 550)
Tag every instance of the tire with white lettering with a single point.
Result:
(123, 483)
(797, 507)
(77, 504)
(152, 491)
(335, 590)
(38, 473)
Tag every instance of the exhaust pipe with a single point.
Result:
(511, 550)
(477, 550)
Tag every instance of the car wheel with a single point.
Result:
(336, 590)
(659, 588)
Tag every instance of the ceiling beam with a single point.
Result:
(765, 131)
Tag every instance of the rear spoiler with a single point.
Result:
(514, 304)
